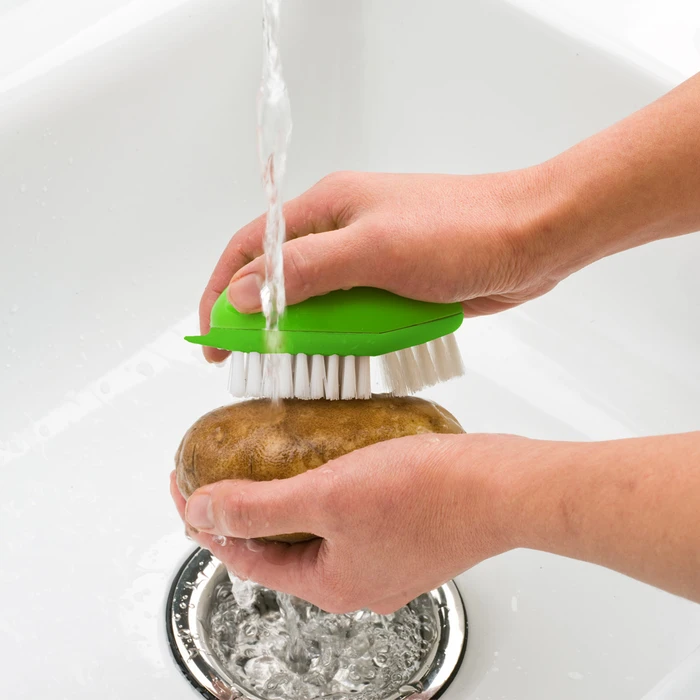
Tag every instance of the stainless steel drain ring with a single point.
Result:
(189, 602)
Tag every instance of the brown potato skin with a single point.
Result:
(259, 440)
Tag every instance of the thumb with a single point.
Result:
(252, 509)
(314, 265)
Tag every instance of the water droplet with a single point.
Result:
(145, 369)
(44, 431)
(104, 387)
(14, 309)
(22, 188)
(70, 160)
(575, 676)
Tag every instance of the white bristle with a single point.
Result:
(237, 374)
(426, 367)
(253, 384)
(455, 357)
(268, 373)
(318, 376)
(393, 374)
(285, 376)
(410, 370)
(364, 382)
(333, 377)
(348, 388)
(302, 383)
(444, 363)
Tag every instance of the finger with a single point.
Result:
(250, 509)
(390, 605)
(177, 497)
(315, 211)
(316, 265)
(201, 538)
(485, 306)
(280, 567)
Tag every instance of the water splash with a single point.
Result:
(359, 655)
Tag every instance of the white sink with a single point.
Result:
(128, 159)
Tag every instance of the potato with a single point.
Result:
(261, 441)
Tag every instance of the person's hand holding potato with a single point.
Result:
(398, 517)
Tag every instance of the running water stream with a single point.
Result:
(274, 129)
(272, 643)
(274, 132)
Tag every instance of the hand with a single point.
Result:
(397, 519)
(474, 239)
(489, 241)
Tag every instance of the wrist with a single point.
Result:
(566, 230)
(534, 487)
(509, 485)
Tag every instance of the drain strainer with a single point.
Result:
(232, 651)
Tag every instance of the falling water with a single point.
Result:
(274, 128)
(274, 131)
(358, 656)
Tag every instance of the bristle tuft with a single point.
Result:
(333, 378)
(302, 382)
(410, 369)
(364, 381)
(254, 375)
(237, 374)
(285, 376)
(448, 361)
(393, 374)
(317, 377)
(426, 365)
(348, 381)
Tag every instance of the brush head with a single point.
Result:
(284, 376)
(323, 346)
(360, 322)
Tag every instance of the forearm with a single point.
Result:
(632, 183)
(630, 505)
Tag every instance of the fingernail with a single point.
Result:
(244, 293)
(255, 545)
(199, 512)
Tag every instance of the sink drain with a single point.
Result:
(229, 652)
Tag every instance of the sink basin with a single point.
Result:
(129, 159)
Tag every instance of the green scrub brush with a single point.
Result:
(323, 346)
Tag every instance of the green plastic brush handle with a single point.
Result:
(362, 321)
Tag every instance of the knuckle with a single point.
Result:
(338, 179)
(349, 193)
(381, 609)
(296, 268)
(338, 594)
(331, 504)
